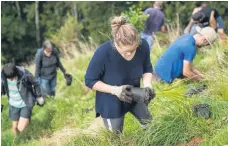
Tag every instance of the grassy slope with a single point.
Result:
(172, 123)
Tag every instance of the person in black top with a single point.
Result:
(46, 63)
(210, 17)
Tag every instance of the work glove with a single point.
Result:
(142, 94)
(150, 94)
(40, 101)
(123, 93)
(68, 78)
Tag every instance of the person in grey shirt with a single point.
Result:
(46, 63)
(154, 23)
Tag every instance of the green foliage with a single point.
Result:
(136, 16)
(17, 34)
(173, 122)
(19, 29)
(67, 33)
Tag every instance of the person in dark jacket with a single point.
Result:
(116, 64)
(46, 63)
(22, 90)
(208, 17)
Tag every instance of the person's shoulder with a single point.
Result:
(104, 48)
(144, 46)
(184, 41)
(188, 41)
(23, 72)
(148, 10)
(185, 37)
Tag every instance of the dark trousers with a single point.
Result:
(140, 111)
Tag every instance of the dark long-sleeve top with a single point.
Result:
(108, 66)
(46, 67)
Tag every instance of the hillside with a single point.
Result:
(66, 119)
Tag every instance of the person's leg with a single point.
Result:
(22, 124)
(142, 114)
(53, 85)
(45, 87)
(14, 126)
(220, 24)
(115, 124)
(148, 38)
(221, 31)
(25, 115)
(14, 114)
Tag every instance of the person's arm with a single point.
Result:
(188, 71)
(94, 74)
(102, 87)
(147, 79)
(213, 23)
(147, 66)
(3, 92)
(163, 27)
(197, 72)
(34, 82)
(189, 26)
(59, 63)
(191, 22)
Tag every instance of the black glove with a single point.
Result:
(150, 94)
(68, 78)
(142, 94)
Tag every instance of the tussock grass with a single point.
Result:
(173, 121)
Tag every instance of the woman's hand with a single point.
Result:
(123, 93)
(40, 101)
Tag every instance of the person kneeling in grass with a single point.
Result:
(210, 17)
(177, 59)
(19, 85)
(117, 65)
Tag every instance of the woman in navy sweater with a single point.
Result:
(116, 64)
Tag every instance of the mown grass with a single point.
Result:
(173, 121)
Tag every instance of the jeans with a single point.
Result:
(219, 22)
(148, 38)
(48, 86)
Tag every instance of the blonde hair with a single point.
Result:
(123, 32)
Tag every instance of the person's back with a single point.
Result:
(155, 20)
(169, 66)
(204, 16)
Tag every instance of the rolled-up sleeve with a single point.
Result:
(95, 69)
(147, 66)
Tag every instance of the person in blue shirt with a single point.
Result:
(116, 64)
(177, 59)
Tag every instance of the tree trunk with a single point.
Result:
(37, 21)
(75, 14)
(18, 9)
